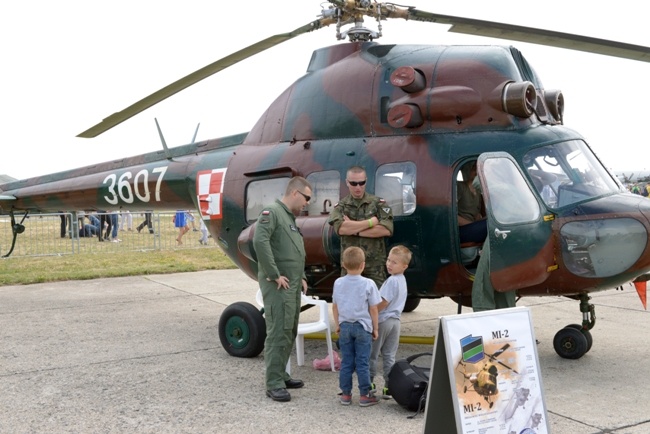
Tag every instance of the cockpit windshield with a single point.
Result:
(568, 172)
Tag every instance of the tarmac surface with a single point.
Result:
(142, 355)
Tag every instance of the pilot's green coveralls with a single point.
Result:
(375, 248)
(484, 296)
(280, 251)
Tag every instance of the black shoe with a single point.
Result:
(279, 395)
(294, 384)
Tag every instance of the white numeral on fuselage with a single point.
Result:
(122, 190)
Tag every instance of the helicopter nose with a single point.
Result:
(606, 247)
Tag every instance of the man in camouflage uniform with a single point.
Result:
(363, 220)
(280, 254)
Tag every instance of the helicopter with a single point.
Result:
(412, 115)
(484, 381)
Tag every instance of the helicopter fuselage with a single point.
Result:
(412, 116)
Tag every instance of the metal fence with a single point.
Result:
(46, 234)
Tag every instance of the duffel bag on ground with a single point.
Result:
(408, 382)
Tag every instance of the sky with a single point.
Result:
(68, 64)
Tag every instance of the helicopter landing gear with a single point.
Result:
(585, 332)
(575, 340)
(242, 330)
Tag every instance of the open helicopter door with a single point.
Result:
(520, 234)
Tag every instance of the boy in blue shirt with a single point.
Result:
(354, 305)
(393, 297)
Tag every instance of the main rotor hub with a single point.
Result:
(352, 12)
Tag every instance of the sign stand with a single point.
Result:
(485, 376)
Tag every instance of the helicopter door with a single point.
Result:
(521, 245)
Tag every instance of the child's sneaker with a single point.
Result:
(345, 399)
(368, 400)
(385, 393)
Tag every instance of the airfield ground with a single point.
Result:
(142, 355)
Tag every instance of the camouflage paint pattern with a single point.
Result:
(365, 104)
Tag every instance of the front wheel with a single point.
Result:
(570, 343)
(587, 333)
(242, 330)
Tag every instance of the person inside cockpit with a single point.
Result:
(472, 226)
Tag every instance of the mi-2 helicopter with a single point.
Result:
(412, 115)
(484, 381)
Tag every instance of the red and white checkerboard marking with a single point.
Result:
(209, 188)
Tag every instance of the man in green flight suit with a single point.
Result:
(280, 252)
(363, 220)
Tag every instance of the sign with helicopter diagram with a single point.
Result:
(485, 376)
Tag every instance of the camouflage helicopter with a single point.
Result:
(412, 115)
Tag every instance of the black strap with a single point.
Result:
(415, 356)
(421, 404)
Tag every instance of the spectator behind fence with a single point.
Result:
(126, 221)
(147, 222)
(180, 221)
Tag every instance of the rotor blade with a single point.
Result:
(507, 367)
(196, 76)
(530, 34)
(498, 352)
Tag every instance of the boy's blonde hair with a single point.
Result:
(403, 253)
(352, 258)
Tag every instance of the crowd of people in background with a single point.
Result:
(640, 189)
(106, 225)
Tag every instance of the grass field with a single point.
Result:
(41, 255)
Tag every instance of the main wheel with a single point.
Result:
(242, 330)
(587, 333)
(411, 304)
(570, 343)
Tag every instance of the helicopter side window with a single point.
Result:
(325, 191)
(262, 193)
(395, 183)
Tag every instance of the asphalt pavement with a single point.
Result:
(142, 355)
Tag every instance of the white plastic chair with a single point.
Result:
(323, 324)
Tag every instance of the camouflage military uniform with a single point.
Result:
(375, 248)
(280, 251)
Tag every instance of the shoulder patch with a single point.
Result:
(381, 200)
(266, 212)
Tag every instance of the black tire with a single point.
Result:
(587, 333)
(570, 343)
(411, 304)
(242, 330)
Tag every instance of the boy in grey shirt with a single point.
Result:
(393, 297)
(354, 305)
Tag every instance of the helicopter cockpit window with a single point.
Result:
(395, 183)
(262, 193)
(568, 172)
(511, 201)
(325, 191)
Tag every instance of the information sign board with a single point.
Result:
(485, 376)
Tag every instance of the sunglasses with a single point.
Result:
(355, 183)
(307, 198)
